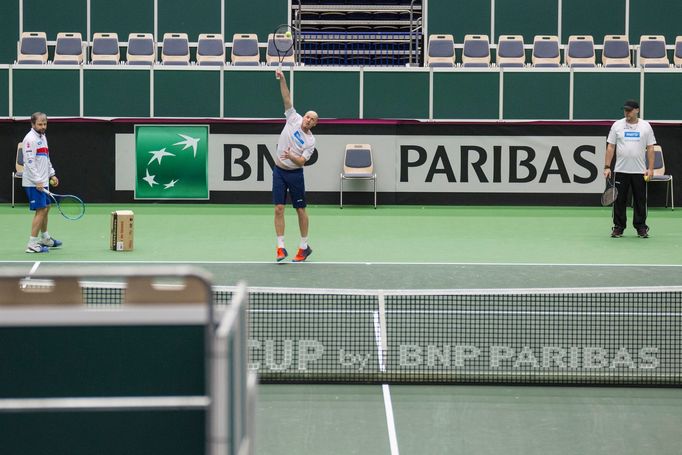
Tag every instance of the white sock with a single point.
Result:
(280, 241)
(304, 242)
(45, 235)
(32, 240)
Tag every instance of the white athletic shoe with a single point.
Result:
(51, 242)
(36, 248)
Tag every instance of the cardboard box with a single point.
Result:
(122, 224)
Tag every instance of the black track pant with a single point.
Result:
(625, 182)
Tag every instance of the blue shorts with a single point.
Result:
(291, 181)
(36, 199)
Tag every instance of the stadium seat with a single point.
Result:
(677, 58)
(441, 52)
(616, 53)
(141, 49)
(358, 164)
(211, 49)
(510, 52)
(661, 176)
(18, 168)
(272, 57)
(652, 53)
(105, 49)
(69, 49)
(245, 50)
(32, 48)
(580, 52)
(546, 51)
(476, 52)
(175, 49)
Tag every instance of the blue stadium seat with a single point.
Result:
(175, 49)
(272, 57)
(245, 50)
(69, 49)
(141, 49)
(441, 52)
(105, 49)
(510, 52)
(211, 49)
(476, 52)
(546, 51)
(32, 48)
(580, 52)
(652, 53)
(616, 53)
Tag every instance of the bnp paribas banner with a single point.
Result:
(171, 162)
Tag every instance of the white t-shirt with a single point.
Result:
(293, 138)
(37, 165)
(631, 141)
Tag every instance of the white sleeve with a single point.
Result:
(612, 135)
(307, 153)
(291, 115)
(651, 139)
(30, 157)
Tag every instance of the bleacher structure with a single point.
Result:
(321, 41)
(166, 359)
(375, 33)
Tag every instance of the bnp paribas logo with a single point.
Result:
(171, 162)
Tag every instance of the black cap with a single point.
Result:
(631, 104)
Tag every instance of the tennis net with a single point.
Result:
(610, 336)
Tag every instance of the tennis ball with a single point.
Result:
(287, 34)
(646, 178)
(53, 181)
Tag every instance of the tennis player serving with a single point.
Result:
(295, 146)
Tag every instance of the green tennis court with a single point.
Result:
(391, 247)
(410, 248)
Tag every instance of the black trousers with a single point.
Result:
(624, 183)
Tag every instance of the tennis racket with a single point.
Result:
(610, 194)
(71, 207)
(283, 41)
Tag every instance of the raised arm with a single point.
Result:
(286, 96)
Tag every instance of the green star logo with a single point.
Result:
(171, 162)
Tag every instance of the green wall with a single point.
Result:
(599, 95)
(533, 17)
(536, 95)
(4, 92)
(527, 18)
(467, 16)
(466, 95)
(444, 94)
(254, 16)
(52, 17)
(661, 17)
(192, 18)
(109, 17)
(604, 18)
(9, 31)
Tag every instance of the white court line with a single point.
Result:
(309, 264)
(381, 341)
(390, 421)
(33, 269)
(31, 272)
